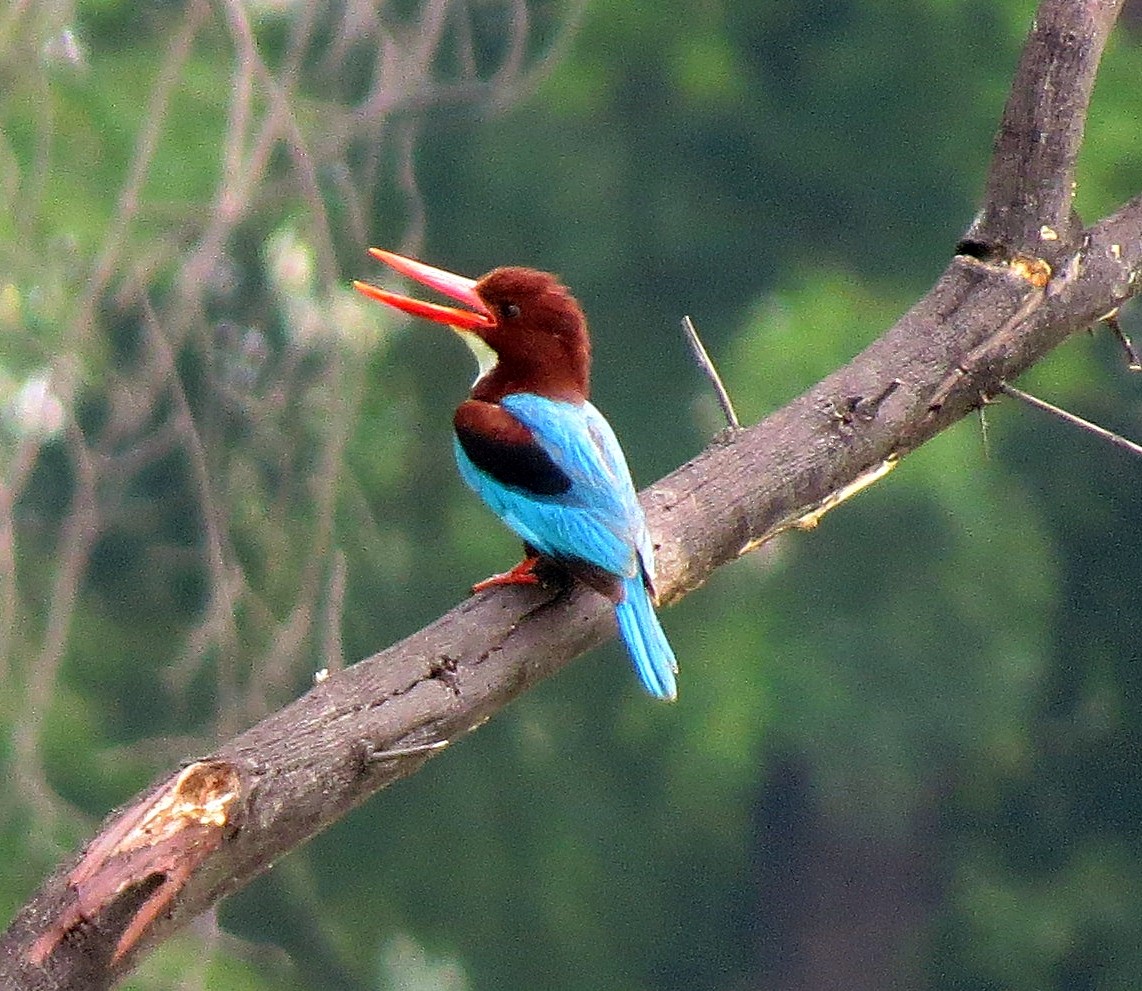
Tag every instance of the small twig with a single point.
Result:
(707, 366)
(1077, 421)
(1133, 362)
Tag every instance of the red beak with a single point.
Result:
(456, 286)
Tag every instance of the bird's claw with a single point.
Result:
(522, 574)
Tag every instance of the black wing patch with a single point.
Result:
(524, 466)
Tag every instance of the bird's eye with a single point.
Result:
(510, 311)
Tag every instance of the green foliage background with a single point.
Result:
(947, 668)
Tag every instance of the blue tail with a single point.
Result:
(642, 633)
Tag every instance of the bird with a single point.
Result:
(529, 442)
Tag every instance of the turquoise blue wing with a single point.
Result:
(568, 493)
(597, 517)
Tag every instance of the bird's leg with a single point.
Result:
(534, 569)
(522, 574)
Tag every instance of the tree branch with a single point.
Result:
(991, 315)
(1027, 204)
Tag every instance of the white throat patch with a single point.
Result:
(486, 358)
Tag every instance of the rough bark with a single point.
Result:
(1028, 277)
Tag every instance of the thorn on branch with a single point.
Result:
(701, 356)
(864, 408)
(984, 438)
(1133, 362)
(446, 672)
(1067, 417)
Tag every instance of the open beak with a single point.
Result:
(479, 317)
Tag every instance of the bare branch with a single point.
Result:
(75, 544)
(180, 49)
(1027, 203)
(1067, 417)
(702, 357)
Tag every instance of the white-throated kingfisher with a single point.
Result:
(532, 446)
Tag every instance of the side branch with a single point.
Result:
(1067, 417)
(1027, 203)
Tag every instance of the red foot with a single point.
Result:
(522, 574)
